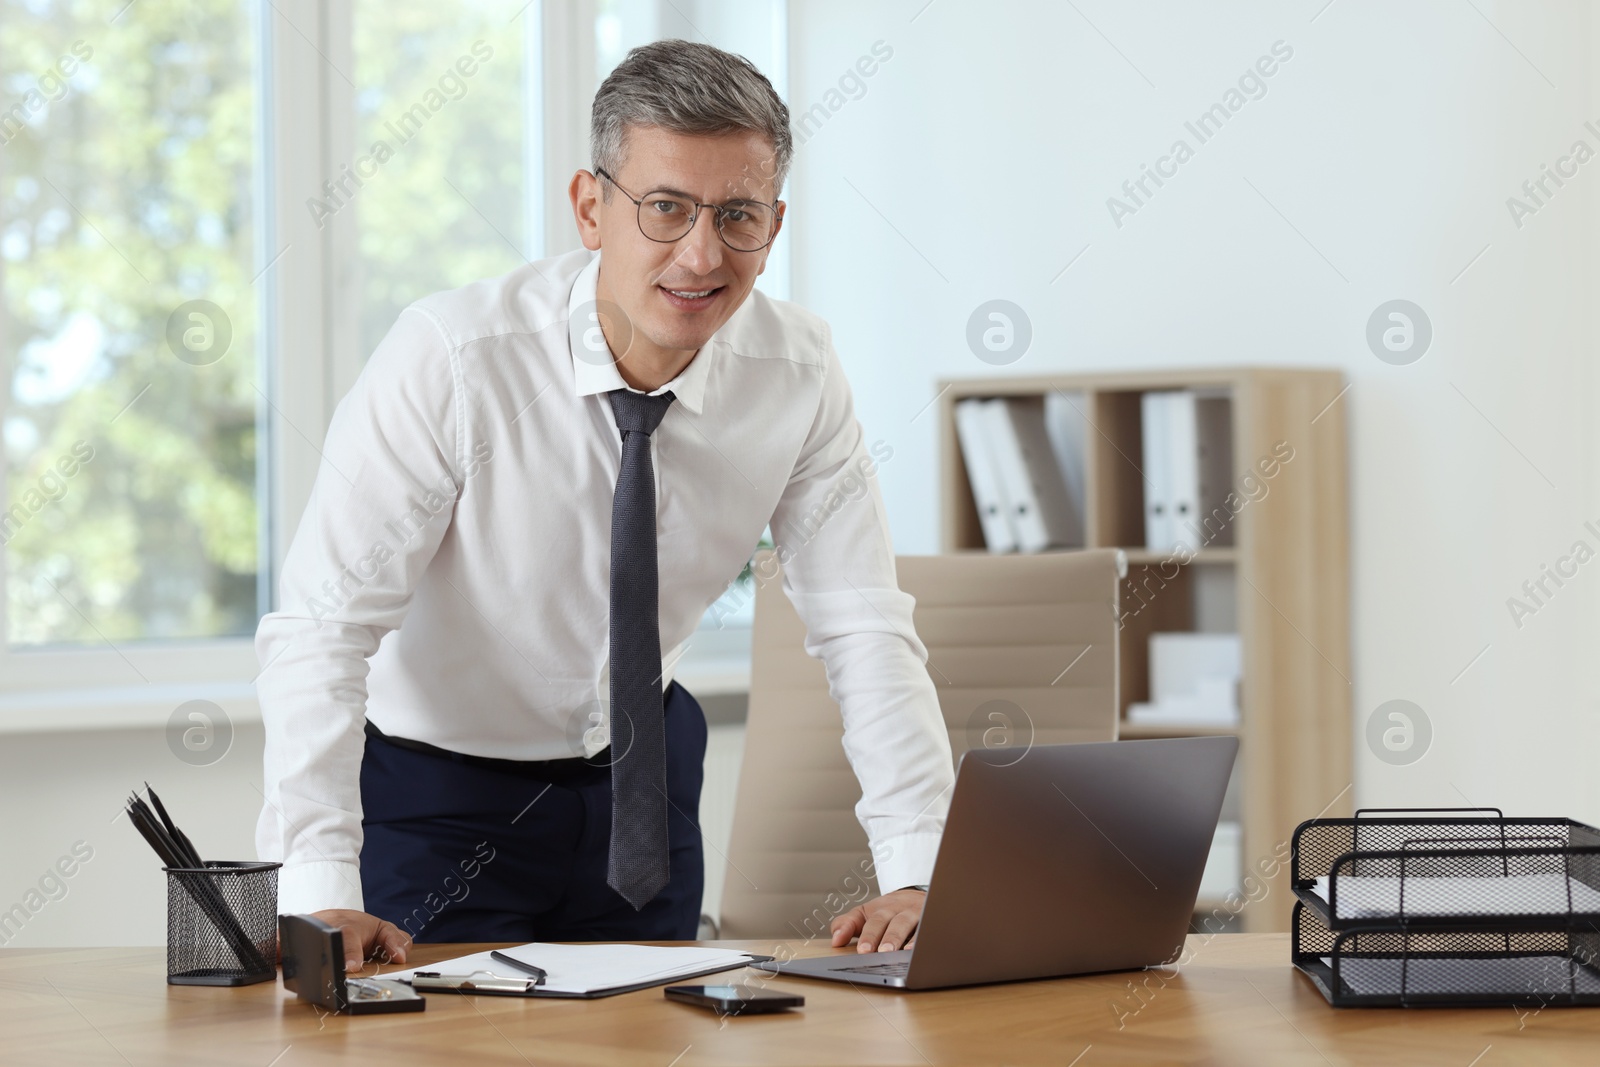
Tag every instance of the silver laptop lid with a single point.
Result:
(1070, 859)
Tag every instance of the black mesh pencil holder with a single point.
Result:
(222, 923)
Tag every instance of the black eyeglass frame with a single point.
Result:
(638, 203)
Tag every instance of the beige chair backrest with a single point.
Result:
(1019, 647)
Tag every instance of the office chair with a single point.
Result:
(1021, 649)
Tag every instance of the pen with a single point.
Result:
(526, 968)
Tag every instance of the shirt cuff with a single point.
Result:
(319, 886)
(905, 860)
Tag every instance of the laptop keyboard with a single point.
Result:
(889, 970)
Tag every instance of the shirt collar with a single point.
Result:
(593, 368)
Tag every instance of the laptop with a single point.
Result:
(1071, 859)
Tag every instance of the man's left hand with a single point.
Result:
(883, 924)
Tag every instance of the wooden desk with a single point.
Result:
(1239, 1002)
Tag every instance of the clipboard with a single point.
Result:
(495, 981)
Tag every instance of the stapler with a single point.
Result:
(313, 967)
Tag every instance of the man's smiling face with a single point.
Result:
(675, 294)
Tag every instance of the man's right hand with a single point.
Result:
(367, 937)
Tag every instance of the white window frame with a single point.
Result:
(310, 314)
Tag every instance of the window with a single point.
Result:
(210, 214)
(128, 259)
(447, 147)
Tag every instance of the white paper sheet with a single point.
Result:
(585, 969)
(1362, 897)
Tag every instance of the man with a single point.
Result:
(547, 478)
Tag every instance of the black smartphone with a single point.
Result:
(735, 999)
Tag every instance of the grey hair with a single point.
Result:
(686, 87)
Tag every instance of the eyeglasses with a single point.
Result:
(743, 225)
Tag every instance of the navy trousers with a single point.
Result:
(460, 851)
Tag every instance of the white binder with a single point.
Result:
(1016, 487)
(1158, 527)
(1183, 471)
(1068, 427)
(972, 430)
(1055, 522)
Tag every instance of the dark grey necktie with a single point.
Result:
(637, 864)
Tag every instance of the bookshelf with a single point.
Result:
(1283, 585)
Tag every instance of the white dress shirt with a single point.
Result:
(449, 579)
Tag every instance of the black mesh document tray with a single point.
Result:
(1445, 867)
(1448, 907)
(1397, 966)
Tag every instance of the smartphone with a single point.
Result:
(735, 999)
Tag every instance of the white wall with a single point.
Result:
(60, 789)
(1391, 139)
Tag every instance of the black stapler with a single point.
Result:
(313, 967)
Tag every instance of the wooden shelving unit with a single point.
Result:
(1283, 585)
